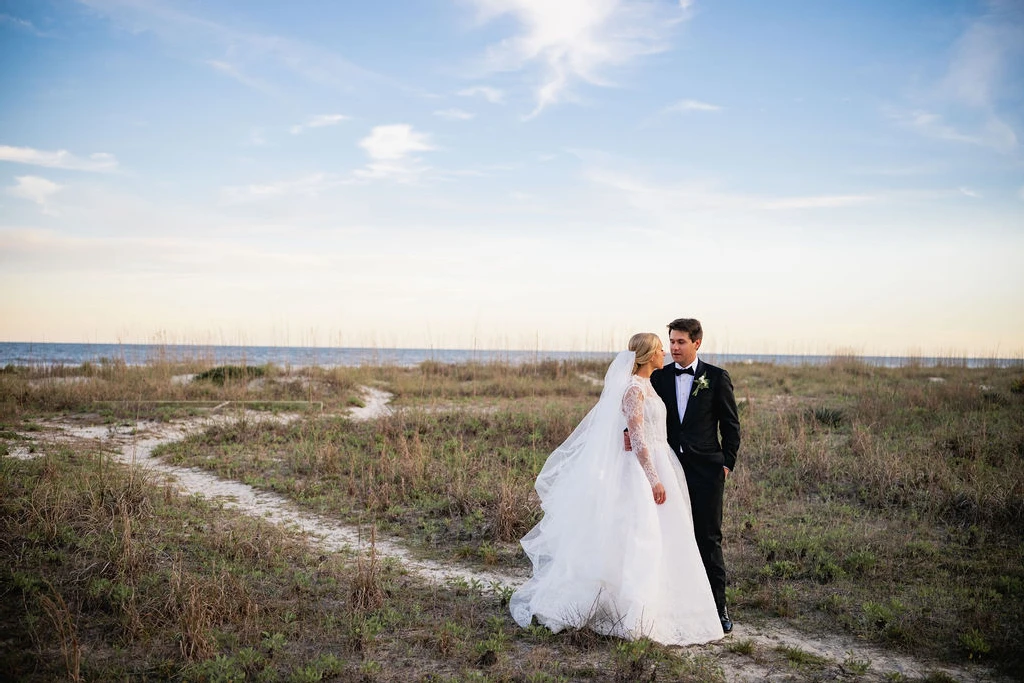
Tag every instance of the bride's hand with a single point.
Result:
(659, 493)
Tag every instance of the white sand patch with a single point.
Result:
(62, 381)
(376, 401)
(840, 648)
(443, 407)
(22, 453)
(181, 380)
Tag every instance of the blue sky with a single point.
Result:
(804, 177)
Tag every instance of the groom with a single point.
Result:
(701, 406)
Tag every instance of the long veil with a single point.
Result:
(602, 421)
(576, 544)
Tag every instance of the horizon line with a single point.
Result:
(836, 353)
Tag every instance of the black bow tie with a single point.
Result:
(684, 371)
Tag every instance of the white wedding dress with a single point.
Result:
(605, 556)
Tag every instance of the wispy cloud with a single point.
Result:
(683, 106)
(234, 52)
(985, 54)
(921, 169)
(319, 121)
(968, 192)
(818, 202)
(393, 154)
(492, 95)
(35, 189)
(100, 161)
(672, 201)
(578, 40)
(311, 185)
(391, 150)
(21, 24)
(979, 91)
(454, 114)
(257, 137)
(46, 248)
(232, 71)
(992, 133)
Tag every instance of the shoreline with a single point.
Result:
(36, 354)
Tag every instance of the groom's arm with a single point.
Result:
(728, 420)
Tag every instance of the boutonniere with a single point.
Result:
(701, 383)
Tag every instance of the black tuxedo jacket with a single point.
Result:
(710, 413)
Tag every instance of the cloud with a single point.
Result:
(673, 201)
(312, 185)
(35, 189)
(394, 142)
(22, 24)
(232, 71)
(492, 95)
(234, 52)
(968, 192)
(61, 253)
(99, 161)
(819, 202)
(319, 121)
(979, 92)
(983, 56)
(575, 40)
(256, 137)
(391, 149)
(690, 105)
(921, 169)
(993, 133)
(454, 114)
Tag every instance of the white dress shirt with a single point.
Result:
(684, 385)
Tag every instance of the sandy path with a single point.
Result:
(134, 446)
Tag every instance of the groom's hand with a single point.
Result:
(659, 493)
(727, 470)
(625, 440)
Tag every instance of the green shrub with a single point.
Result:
(222, 373)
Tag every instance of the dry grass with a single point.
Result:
(216, 596)
(367, 590)
(882, 503)
(67, 634)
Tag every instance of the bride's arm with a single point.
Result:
(633, 408)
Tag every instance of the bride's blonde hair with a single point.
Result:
(644, 345)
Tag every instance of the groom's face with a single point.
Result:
(682, 349)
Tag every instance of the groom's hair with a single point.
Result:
(690, 326)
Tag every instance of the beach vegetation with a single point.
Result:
(885, 504)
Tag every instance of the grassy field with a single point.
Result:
(884, 504)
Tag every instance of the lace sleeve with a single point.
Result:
(633, 409)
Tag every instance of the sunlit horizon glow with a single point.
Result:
(814, 178)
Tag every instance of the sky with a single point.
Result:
(802, 176)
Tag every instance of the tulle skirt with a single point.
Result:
(607, 558)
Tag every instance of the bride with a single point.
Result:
(615, 551)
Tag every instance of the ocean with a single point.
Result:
(31, 353)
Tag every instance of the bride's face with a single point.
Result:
(658, 359)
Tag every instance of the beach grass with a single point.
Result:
(885, 504)
(108, 574)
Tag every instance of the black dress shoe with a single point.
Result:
(723, 616)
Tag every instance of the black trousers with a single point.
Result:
(706, 483)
